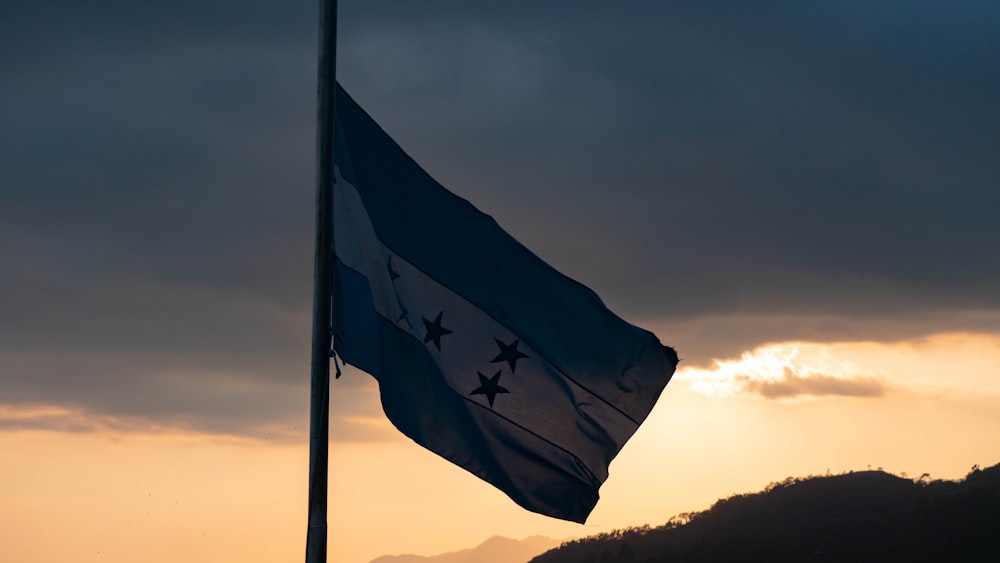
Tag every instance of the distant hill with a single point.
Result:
(868, 516)
(497, 549)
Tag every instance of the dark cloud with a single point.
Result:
(724, 161)
(826, 170)
(792, 385)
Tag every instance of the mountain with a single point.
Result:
(858, 517)
(497, 549)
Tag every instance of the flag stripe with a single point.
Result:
(465, 250)
(545, 398)
(535, 473)
(383, 323)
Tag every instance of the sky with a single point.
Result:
(801, 198)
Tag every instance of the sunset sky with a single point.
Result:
(801, 198)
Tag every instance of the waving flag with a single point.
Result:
(483, 353)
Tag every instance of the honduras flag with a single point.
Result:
(484, 354)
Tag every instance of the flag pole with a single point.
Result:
(319, 415)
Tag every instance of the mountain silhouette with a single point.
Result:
(858, 517)
(497, 549)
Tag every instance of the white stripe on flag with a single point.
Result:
(539, 398)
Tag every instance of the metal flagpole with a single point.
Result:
(319, 416)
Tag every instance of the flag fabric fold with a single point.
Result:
(484, 354)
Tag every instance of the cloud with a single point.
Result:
(688, 160)
(59, 419)
(958, 364)
(792, 385)
(822, 171)
(206, 403)
(788, 370)
(702, 339)
(723, 163)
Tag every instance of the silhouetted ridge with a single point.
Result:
(496, 549)
(863, 516)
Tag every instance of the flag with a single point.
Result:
(484, 354)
